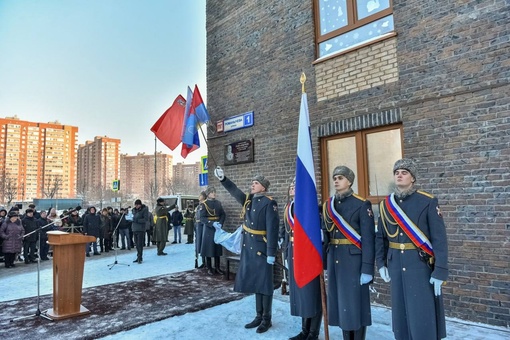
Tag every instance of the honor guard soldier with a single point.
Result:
(349, 223)
(306, 301)
(211, 214)
(259, 245)
(412, 253)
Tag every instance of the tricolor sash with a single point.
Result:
(289, 215)
(412, 231)
(345, 228)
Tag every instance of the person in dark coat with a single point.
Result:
(189, 221)
(160, 233)
(30, 241)
(92, 227)
(75, 222)
(350, 235)
(176, 220)
(259, 246)
(417, 266)
(306, 301)
(199, 230)
(106, 239)
(124, 227)
(11, 231)
(43, 221)
(140, 218)
(211, 213)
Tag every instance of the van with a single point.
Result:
(181, 200)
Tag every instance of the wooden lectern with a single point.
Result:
(68, 262)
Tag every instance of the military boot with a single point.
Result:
(305, 329)
(267, 304)
(217, 265)
(360, 333)
(315, 327)
(258, 319)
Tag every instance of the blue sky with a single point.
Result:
(110, 67)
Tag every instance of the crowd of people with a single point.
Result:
(408, 248)
(23, 234)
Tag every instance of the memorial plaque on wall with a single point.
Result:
(239, 152)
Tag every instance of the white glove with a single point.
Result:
(385, 275)
(437, 285)
(270, 260)
(365, 278)
(280, 242)
(217, 225)
(218, 172)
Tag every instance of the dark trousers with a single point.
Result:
(45, 247)
(139, 242)
(9, 259)
(29, 250)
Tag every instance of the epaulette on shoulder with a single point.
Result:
(425, 193)
(359, 197)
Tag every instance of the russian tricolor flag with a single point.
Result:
(307, 228)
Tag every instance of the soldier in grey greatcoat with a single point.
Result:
(199, 230)
(417, 266)
(260, 242)
(211, 213)
(306, 301)
(160, 232)
(349, 223)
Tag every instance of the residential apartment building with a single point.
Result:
(137, 174)
(427, 80)
(37, 160)
(98, 166)
(185, 179)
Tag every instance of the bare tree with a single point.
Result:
(82, 190)
(152, 192)
(52, 185)
(168, 187)
(100, 194)
(2, 188)
(10, 189)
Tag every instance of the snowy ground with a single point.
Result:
(221, 322)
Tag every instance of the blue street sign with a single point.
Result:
(203, 163)
(116, 185)
(203, 180)
(238, 122)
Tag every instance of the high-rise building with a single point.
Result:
(137, 175)
(37, 160)
(98, 166)
(185, 178)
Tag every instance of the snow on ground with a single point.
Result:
(221, 322)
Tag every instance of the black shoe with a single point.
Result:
(135, 261)
(107, 251)
(45, 259)
(27, 261)
(88, 255)
(300, 336)
(264, 326)
(189, 242)
(174, 242)
(123, 248)
(33, 261)
(201, 266)
(255, 323)
(312, 337)
(97, 253)
(211, 272)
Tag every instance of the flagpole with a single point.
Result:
(321, 276)
(205, 139)
(155, 164)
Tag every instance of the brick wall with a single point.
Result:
(450, 94)
(370, 66)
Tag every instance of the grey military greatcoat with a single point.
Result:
(260, 239)
(210, 211)
(348, 301)
(413, 303)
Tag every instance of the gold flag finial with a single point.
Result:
(302, 80)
